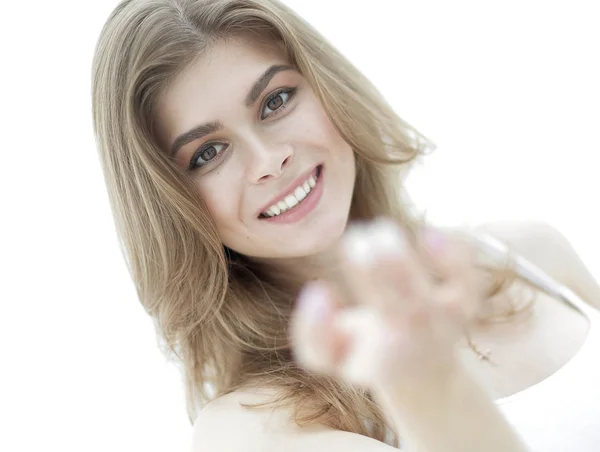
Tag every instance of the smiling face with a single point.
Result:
(263, 133)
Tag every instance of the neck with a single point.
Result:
(301, 269)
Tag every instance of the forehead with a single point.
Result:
(215, 85)
(232, 60)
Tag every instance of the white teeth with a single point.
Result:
(291, 201)
(299, 193)
(272, 212)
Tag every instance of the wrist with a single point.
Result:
(433, 379)
(447, 411)
(452, 388)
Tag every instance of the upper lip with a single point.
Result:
(289, 190)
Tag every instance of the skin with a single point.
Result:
(261, 157)
(533, 241)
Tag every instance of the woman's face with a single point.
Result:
(257, 132)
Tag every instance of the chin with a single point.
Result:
(321, 237)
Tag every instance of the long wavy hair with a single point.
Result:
(219, 316)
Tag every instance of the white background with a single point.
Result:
(508, 90)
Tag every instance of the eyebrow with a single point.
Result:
(205, 129)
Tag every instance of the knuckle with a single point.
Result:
(367, 244)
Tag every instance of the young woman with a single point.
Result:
(256, 178)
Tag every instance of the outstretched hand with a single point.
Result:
(400, 323)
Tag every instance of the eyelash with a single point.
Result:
(200, 151)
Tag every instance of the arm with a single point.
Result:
(398, 338)
(455, 413)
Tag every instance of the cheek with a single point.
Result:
(323, 127)
(222, 202)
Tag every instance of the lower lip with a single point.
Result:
(304, 208)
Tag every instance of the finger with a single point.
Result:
(367, 351)
(452, 260)
(381, 266)
(316, 342)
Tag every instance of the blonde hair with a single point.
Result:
(219, 316)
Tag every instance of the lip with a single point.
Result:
(289, 190)
(308, 204)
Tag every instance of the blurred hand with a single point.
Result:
(399, 323)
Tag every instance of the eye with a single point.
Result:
(206, 154)
(275, 102)
(211, 153)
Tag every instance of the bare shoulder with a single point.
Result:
(226, 426)
(549, 249)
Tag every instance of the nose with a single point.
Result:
(267, 162)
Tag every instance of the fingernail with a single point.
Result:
(312, 301)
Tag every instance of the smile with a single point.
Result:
(299, 202)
